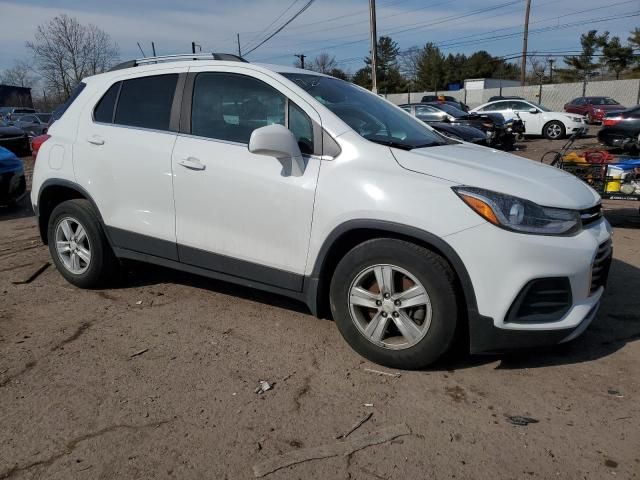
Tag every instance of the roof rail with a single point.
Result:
(176, 58)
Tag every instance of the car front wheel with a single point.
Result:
(394, 302)
(554, 130)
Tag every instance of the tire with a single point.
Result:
(431, 323)
(102, 266)
(554, 130)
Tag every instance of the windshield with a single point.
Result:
(450, 109)
(540, 107)
(370, 116)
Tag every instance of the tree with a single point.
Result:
(339, 73)
(634, 43)
(65, 51)
(583, 64)
(323, 63)
(430, 75)
(388, 77)
(363, 77)
(20, 75)
(616, 57)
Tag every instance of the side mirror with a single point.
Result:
(533, 110)
(278, 141)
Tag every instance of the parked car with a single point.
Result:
(537, 119)
(34, 124)
(7, 111)
(593, 108)
(621, 129)
(12, 182)
(498, 131)
(508, 97)
(308, 186)
(460, 132)
(445, 98)
(37, 142)
(456, 131)
(14, 139)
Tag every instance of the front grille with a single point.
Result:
(591, 215)
(541, 301)
(600, 267)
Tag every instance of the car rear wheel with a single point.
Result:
(554, 130)
(394, 302)
(78, 245)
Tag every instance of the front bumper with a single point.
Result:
(501, 263)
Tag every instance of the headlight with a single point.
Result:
(519, 215)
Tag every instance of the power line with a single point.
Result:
(278, 30)
(412, 26)
(271, 24)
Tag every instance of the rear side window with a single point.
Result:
(146, 102)
(58, 112)
(106, 106)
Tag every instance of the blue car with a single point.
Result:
(12, 183)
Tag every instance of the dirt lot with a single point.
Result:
(157, 379)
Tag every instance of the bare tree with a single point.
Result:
(538, 65)
(20, 75)
(324, 63)
(66, 51)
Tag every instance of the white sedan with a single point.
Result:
(537, 119)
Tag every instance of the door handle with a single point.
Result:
(192, 163)
(95, 140)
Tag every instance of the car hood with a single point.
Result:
(10, 132)
(490, 169)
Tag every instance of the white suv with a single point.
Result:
(311, 187)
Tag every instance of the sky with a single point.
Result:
(339, 27)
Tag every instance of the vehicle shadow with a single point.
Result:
(623, 217)
(142, 274)
(22, 210)
(617, 323)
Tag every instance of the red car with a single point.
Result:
(594, 108)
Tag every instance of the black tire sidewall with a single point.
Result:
(436, 277)
(82, 211)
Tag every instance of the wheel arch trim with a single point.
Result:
(383, 226)
(60, 182)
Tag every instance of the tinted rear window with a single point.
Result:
(105, 107)
(58, 112)
(146, 102)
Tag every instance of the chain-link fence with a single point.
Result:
(552, 96)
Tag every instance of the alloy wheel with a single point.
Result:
(72, 245)
(390, 307)
(554, 130)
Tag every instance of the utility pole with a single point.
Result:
(551, 62)
(238, 36)
(374, 46)
(523, 68)
(301, 56)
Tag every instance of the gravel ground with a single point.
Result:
(157, 379)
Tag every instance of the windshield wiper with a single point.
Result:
(391, 143)
(430, 144)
